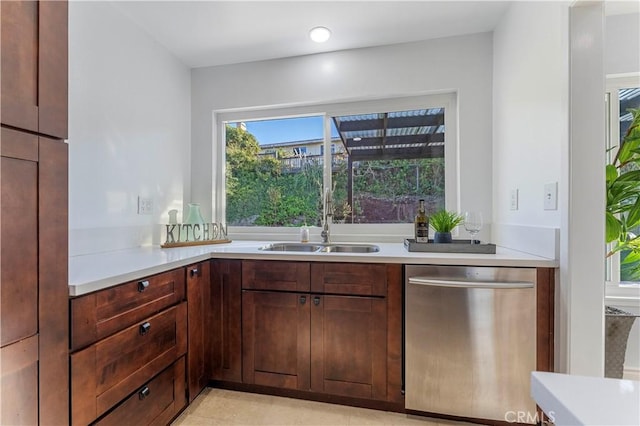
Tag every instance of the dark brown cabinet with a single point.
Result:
(33, 196)
(341, 338)
(125, 338)
(349, 346)
(154, 403)
(34, 286)
(225, 320)
(34, 66)
(199, 307)
(275, 339)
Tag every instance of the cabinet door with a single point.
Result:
(198, 307)
(19, 228)
(34, 66)
(349, 346)
(226, 320)
(33, 269)
(19, 383)
(275, 339)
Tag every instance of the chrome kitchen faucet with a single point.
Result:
(328, 212)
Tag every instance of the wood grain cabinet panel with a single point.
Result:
(199, 307)
(349, 346)
(97, 315)
(349, 278)
(275, 328)
(19, 264)
(327, 341)
(108, 371)
(154, 403)
(33, 269)
(34, 284)
(19, 383)
(35, 66)
(279, 276)
(226, 320)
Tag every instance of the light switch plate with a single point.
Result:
(513, 200)
(551, 196)
(145, 205)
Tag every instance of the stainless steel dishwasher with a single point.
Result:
(470, 342)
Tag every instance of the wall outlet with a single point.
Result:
(551, 196)
(145, 205)
(513, 199)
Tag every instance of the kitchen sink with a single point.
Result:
(322, 248)
(292, 247)
(351, 248)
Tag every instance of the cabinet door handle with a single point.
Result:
(303, 300)
(316, 300)
(144, 392)
(144, 328)
(142, 285)
(194, 272)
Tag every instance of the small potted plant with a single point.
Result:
(443, 222)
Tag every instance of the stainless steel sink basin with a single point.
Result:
(292, 247)
(325, 248)
(351, 248)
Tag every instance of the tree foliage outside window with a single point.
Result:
(260, 191)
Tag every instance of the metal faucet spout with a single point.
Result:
(328, 212)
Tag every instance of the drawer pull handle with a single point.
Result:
(194, 272)
(303, 300)
(144, 392)
(142, 285)
(144, 328)
(316, 300)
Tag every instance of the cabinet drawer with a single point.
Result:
(274, 275)
(356, 279)
(106, 372)
(154, 403)
(100, 314)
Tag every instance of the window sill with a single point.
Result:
(624, 296)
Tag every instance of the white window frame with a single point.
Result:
(616, 292)
(340, 232)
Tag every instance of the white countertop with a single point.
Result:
(580, 400)
(93, 272)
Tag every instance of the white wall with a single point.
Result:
(622, 43)
(462, 64)
(129, 129)
(529, 110)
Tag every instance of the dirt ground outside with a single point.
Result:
(398, 210)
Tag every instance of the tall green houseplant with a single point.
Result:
(623, 198)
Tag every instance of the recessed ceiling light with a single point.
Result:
(319, 34)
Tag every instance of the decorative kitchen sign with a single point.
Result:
(195, 234)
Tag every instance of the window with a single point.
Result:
(377, 157)
(622, 94)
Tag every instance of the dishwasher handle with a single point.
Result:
(469, 284)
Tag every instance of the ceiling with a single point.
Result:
(208, 33)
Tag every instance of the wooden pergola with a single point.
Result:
(390, 136)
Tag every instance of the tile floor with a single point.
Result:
(224, 407)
